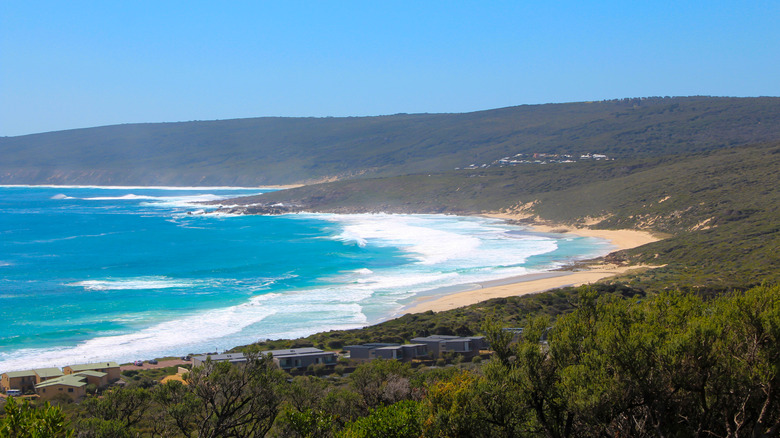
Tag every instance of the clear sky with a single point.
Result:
(72, 64)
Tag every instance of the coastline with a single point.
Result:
(541, 281)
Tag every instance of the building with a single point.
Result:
(365, 351)
(302, 357)
(72, 385)
(404, 353)
(44, 374)
(21, 380)
(370, 351)
(227, 357)
(438, 344)
(295, 358)
(110, 368)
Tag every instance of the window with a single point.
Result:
(70, 389)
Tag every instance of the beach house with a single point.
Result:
(370, 351)
(44, 374)
(296, 358)
(72, 385)
(302, 357)
(110, 368)
(464, 345)
(21, 380)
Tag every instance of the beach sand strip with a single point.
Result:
(540, 282)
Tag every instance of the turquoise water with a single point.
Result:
(90, 273)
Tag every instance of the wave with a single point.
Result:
(438, 239)
(192, 333)
(140, 283)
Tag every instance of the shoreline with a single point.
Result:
(539, 281)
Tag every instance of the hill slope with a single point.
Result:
(260, 151)
(720, 208)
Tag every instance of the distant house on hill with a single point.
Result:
(44, 374)
(21, 380)
(295, 358)
(73, 385)
(110, 368)
(366, 351)
(227, 357)
(438, 344)
(370, 351)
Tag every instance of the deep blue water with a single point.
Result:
(89, 273)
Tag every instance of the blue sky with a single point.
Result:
(78, 64)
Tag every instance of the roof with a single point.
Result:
(294, 351)
(91, 374)
(48, 372)
(240, 357)
(227, 357)
(371, 346)
(27, 373)
(446, 338)
(93, 366)
(75, 380)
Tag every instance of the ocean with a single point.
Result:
(125, 273)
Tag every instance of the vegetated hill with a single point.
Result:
(721, 208)
(260, 151)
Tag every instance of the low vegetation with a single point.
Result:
(671, 364)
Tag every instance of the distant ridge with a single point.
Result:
(276, 150)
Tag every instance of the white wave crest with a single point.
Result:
(175, 337)
(140, 283)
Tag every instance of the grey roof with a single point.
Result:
(93, 366)
(240, 357)
(371, 346)
(439, 338)
(307, 351)
(226, 357)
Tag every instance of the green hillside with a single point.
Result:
(720, 208)
(258, 151)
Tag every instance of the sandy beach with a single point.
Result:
(540, 282)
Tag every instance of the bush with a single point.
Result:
(401, 419)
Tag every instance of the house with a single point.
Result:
(370, 351)
(302, 357)
(438, 344)
(110, 368)
(73, 385)
(21, 380)
(365, 351)
(285, 359)
(44, 374)
(227, 357)
(405, 352)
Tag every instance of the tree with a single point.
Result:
(25, 421)
(236, 400)
(382, 382)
